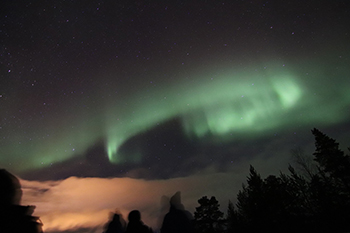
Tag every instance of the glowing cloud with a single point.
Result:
(76, 203)
(86, 202)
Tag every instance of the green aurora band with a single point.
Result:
(232, 104)
(223, 104)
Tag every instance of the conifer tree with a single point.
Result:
(207, 217)
(332, 161)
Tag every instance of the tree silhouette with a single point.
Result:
(319, 202)
(330, 187)
(332, 161)
(250, 204)
(304, 163)
(266, 205)
(207, 217)
(233, 220)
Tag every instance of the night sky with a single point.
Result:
(158, 91)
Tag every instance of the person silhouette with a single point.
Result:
(116, 225)
(177, 219)
(135, 224)
(15, 218)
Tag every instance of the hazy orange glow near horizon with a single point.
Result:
(76, 203)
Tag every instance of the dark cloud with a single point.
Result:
(166, 152)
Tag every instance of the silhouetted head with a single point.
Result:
(10, 189)
(134, 216)
(175, 201)
(116, 217)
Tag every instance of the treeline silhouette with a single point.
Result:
(316, 199)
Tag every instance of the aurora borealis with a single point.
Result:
(220, 106)
(124, 91)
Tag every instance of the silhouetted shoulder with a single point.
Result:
(15, 218)
(116, 225)
(177, 219)
(135, 224)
